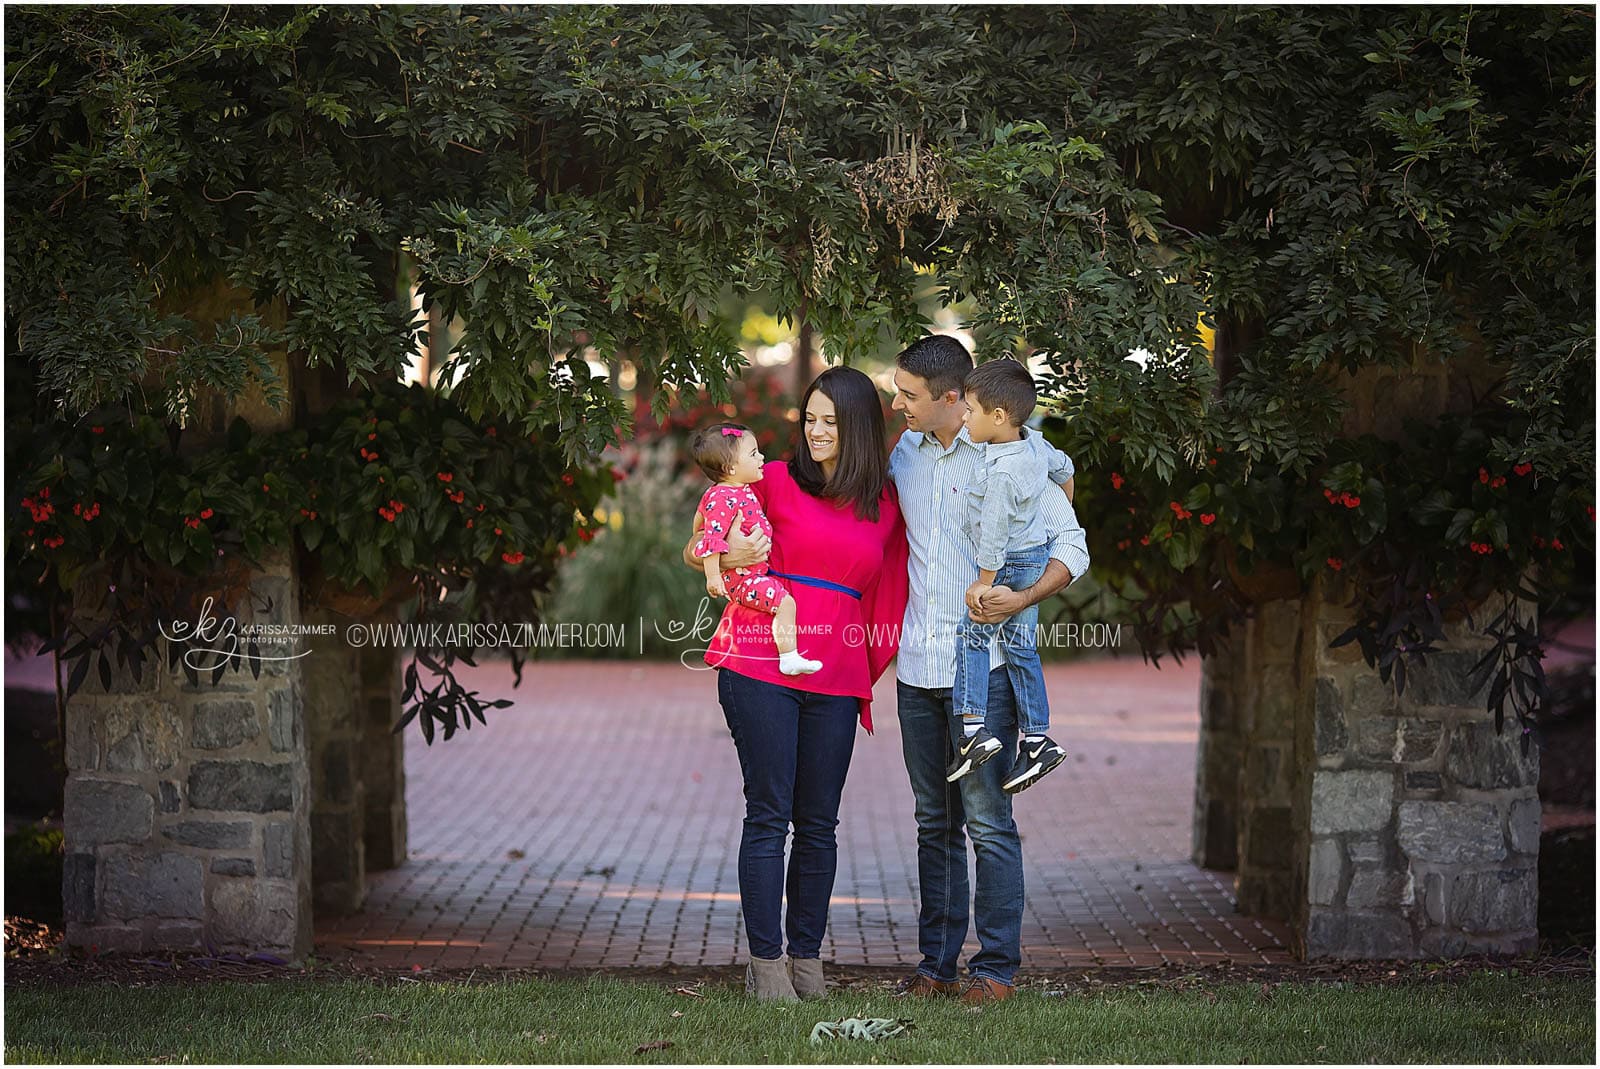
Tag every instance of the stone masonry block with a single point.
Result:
(1479, 757)
(1350, 801)
(1325, 873)
(244, 786)
(103, 811)
(224, 723)
(1451, 833)
(138, 885)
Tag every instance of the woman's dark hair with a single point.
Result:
(863, 462)
(939, 360)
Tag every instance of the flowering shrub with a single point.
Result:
(395, 490)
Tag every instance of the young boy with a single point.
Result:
(1002, 519)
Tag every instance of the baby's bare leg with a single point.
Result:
(783, 625)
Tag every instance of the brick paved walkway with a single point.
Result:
(527, 850)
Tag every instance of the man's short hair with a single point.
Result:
(1004, 383)
(939, 360)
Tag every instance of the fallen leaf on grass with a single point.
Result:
(677, 1013)
(692, 990)
(660, 1044)
(376, 1017)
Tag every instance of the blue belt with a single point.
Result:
(813, 581)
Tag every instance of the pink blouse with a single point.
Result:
(855, 639)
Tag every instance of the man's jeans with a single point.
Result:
(1021, 570)
(928, 729)
(794, 750)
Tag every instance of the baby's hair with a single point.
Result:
(715, 451)
(1003, 383)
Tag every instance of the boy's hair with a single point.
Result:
(715, 451)
(939, 360)
(1003, 383)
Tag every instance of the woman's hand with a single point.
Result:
(746, 549)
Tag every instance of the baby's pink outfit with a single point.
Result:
(750, 586)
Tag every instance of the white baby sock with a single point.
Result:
(793, 664)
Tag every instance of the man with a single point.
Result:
(931, 466)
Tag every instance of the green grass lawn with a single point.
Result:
(1489, 1017)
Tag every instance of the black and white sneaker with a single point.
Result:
(974, 750)
(1033, 763)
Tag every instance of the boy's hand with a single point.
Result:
(975, 594)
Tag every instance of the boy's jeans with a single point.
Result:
(1022, 569)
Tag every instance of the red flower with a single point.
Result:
(98, 430)
(491, 432)
(1208, 518)
(586, 533)
(44, 492)
(469, 525)
(512, 558)
(497, 531)
(1483, 475)
(1538, 543)
(1132, 510)
(1144, 540)
(1117, 481)
(1523, 469)
(567, 478)
(371, 436)
(387, 514)
(265, 488)
(398, 506)
(1555, 543)
(618, 475)
(445, 476)
(1336, 563)
(77, 509)
(1124, 544)
(205, 514)
(313, 514)
(1211, 463)
(1497, 482)
(480, 506)
(1327, 493)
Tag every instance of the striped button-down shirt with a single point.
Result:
(932, 481)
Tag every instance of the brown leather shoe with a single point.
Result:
(981, 989)
(920, 985)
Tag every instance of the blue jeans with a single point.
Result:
(1021, 570)
(794, 750)
(928, 730)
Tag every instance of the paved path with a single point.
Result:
(596, 823)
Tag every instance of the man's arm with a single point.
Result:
(1069, 558)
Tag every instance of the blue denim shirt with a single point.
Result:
(1002, 513)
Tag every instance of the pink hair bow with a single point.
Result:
(732, 432)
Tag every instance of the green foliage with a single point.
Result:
(1334, 190)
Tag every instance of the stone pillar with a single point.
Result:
(383, 752)
(186, 806)
(1423, 823)
(1216, 781)
(1269, 701)
(338, 808)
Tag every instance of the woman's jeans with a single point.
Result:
(1021, 570)
(976, 803)
(794, 750)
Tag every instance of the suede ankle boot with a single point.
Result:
(806, 973)
(769, 981)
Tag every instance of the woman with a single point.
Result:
(840, 544)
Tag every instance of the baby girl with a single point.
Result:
(728, 454)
